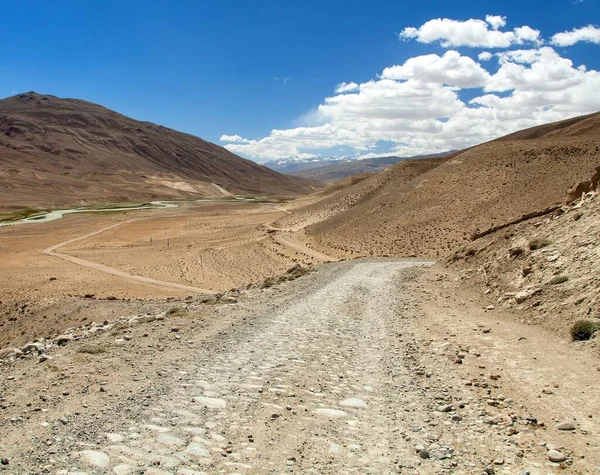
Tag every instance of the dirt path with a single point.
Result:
(51, 251)
(285, 241)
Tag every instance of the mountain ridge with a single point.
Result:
(56, 151)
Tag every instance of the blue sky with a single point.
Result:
(209, 68)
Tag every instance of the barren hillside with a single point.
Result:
(430, 212)
(545, 268)
(62, 151)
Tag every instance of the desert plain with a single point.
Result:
(194, 249)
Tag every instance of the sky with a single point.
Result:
(274, 79)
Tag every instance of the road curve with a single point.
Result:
(52, 251)
(284, 241)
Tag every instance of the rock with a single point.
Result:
(556, 456)
(170, 440)
(424, 454)
(566, 426)
(115, 438)
(4, 461)
(44, 357)
(31, 347)
(330, 412)
(521, 297)
(499, 462)
(95, 458)
(7, 353)
(445, 408)
(124, 469)
(490, 307)
(63, 339)
(354, 402)
(210, 402)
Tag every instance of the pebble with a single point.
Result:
(424, 454)
(95, 458)
(354, 402)
(556, 456)
(566, 426)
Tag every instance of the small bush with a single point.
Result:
(560, 279)
(515, 252)
(583, 330)
(538, 243)
(91, 349)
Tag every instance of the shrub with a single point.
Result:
(515, 252)
(91, 349)
(583, 330)
(560, 279)
(538, 243)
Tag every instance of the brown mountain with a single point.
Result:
(427, 208)
(63, 151)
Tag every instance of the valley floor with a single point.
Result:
(365, 366)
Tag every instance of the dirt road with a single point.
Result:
(339, 372)
(52, 251)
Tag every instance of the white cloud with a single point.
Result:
(233, 138)
(346, 87)
(451, 69)
(416, 106)
(496, 21)
(587, 34)
(472, 32)
(535, 70)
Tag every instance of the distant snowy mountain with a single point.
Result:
(336, 168)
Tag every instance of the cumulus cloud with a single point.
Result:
(587, 34)
(496, 21)
(472, 32)
(416, 106)
(451, 69)
(346, 87)
(233, 138)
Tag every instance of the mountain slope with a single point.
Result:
(56, 151)
(473, 190)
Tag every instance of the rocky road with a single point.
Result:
(311, 390)
(336, 373)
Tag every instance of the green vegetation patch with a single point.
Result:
(584, 330)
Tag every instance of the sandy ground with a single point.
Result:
(352, 369)
(140, 256)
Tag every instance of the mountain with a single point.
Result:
(341, 170)
(296, 165)
(57, 151)
(335, 168)
(414, 209)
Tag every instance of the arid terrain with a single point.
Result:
(428, 208)
(197, 248)
(317, 335)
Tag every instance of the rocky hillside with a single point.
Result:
(62, 151)
(431, 212)
(546, 268)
